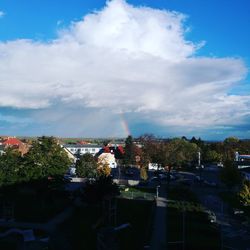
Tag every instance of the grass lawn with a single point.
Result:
(138, 192)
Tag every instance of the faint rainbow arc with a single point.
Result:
(125, 125)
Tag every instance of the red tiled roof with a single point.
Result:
(12, 142)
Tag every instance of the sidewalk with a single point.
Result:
(158, 240)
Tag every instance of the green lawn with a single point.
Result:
(138, 193)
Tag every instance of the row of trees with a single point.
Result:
(45, 158)
(181, 151)
(176, 152)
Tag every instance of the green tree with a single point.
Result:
(11, 163)
(230, 175)
(180, 152)
(45, 158)
(130, 147)
(86, 166)
(244, 194)
(212, 156)
(231, 145)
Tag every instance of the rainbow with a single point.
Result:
(125, 125)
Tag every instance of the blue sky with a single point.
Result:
(192, 80)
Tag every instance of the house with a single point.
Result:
(116, 150)
(13, 142)
(80, 149)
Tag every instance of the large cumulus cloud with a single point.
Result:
(123, 59)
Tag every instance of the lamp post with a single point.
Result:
(199, 163)
(157, 191)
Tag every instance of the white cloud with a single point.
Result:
(2, 13)
(124, 59)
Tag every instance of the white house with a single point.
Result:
(78, 149)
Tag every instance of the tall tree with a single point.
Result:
(129, 156)
(11, 163)
(231, 145)
(180, 152)
(86, 166)
(46, 158)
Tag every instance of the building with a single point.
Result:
(242, 161)
(15, 143)
(80, 149)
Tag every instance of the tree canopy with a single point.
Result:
(86, 166)
(45, 158)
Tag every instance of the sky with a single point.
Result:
(111, 68)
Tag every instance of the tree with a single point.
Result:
(180, 152)
(46, 158)
(212, 156)
(103, 187)
(231, 145)
(86, 166)
(11, 163)
(129, 156)
(143, 173)
(230, 175)
(244, 194)
(103, 168)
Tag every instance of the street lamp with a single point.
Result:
(157, 191)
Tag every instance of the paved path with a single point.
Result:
(158, 240)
